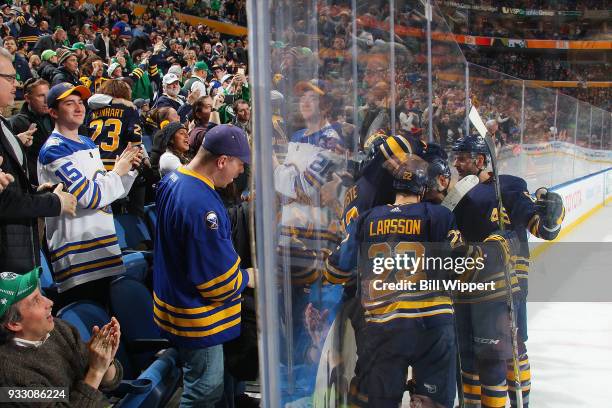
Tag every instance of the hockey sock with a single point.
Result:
(471, 388)
(525, 373)
(356, 398)
(494, 389)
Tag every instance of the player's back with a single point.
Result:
(112, 128)
(410, 234)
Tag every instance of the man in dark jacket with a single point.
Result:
(34, 112)
(48, 65)
(104, 44)
(20, 203)
(68, 68)
(171, 97)
(50, 42)
(20, 64)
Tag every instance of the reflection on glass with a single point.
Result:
(351, 106)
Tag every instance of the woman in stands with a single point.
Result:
(170, 147)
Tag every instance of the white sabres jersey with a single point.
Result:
(83, 248)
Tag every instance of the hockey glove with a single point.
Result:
(549, 207)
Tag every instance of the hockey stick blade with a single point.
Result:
(459, 190)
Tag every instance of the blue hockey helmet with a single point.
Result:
(362, 158)
(411, 176)
(438, 164)
(471, 144)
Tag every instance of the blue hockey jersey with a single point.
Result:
(477, 217)
(387, 232)
(197, 281)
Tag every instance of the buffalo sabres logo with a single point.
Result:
(8, 275)
(431, 388)
(212, 221)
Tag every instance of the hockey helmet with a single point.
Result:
(411, 176)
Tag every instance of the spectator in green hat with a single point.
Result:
(78, 49)
(33, 345)
(198, 79)
(48, 65)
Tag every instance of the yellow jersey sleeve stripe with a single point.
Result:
(195, 310)
(493, 402)
(208, 321)
(226, 291)
(219, 279)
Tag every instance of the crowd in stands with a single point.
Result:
(533, 67)
(98, 104)
(510, 26)
(545, 4)
(106, 112)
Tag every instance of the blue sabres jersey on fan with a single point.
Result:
(394, 230)
(197, 281)
(112, 127)
(477, 216)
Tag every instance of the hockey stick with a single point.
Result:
(461, 188)
(452, 199)
(482, 129)
(509, 297)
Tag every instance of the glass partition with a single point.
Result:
(331, 81)
(449, 73)
(606, 132)
(567, 109)
(539, 122)
(499, 100)
(596, 128)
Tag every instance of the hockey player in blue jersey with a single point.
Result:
(482, 319)
(405, 327)
(401, 327)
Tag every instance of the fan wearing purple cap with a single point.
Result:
(196, 266)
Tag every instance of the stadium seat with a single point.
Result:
(136, 266)
(84, 316)
(132, 304)
(164, 376)
(132, 232)
(151, 218)
(46, 278)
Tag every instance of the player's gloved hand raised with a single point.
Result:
(502, 245)
(549, 206)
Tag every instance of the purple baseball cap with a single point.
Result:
(229, 140)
